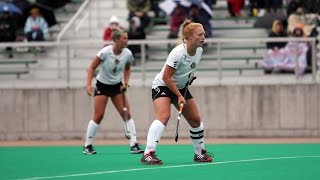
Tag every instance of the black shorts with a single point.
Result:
(107, 90)
(164, 91)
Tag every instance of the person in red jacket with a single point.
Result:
(114, 23)
(235, 7)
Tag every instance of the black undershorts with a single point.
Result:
(106, 89)
(164, 91)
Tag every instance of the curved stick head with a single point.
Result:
(127, 136)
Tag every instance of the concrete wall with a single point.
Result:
(227, 111)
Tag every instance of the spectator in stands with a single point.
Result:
(275, 53)
(277, 31)
(296, 55)
(293, 6)
(198, 17)
(294, 18)
(23, 5)
(271, 59)
(176, 19)
(292, 58)
(140, 9)
(113, 24)
(36, 27)
(195, 14)
(310, 24)
(235, 7)
(307, 32)
(300, 18)
(136, 31)
(8, 29)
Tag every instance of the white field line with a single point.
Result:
(169, 167)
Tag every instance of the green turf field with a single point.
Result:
(231, 161)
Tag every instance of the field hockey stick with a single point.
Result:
(127, 132)
(180, 113)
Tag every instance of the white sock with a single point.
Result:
(197, 135)
(132, 130)
(91, 132)
(155, 132)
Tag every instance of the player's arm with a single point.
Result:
(167, 78)
(95, 63)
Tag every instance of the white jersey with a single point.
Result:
(184, 64)
(112, 66)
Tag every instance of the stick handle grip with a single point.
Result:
(181, 107)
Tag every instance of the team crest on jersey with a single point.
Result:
(193, 65)
(116, 61)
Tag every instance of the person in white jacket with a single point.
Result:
(36, 27)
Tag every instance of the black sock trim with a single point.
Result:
(199, 137)
(198, 132)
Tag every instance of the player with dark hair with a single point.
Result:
(168, 88)
(112, 81)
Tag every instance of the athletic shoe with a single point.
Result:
(150, 159)
(136, 149)
(203, 157)
(89, 150)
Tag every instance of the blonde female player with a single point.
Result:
(168, 88)
(112, 80)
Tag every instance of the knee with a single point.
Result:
(98, 117)
(123, 115)
(164, 118)
(129, 115)
(195, 122)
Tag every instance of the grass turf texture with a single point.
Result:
(231, 161)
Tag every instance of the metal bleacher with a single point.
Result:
(233, 51)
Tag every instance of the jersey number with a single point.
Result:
(114, 70)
